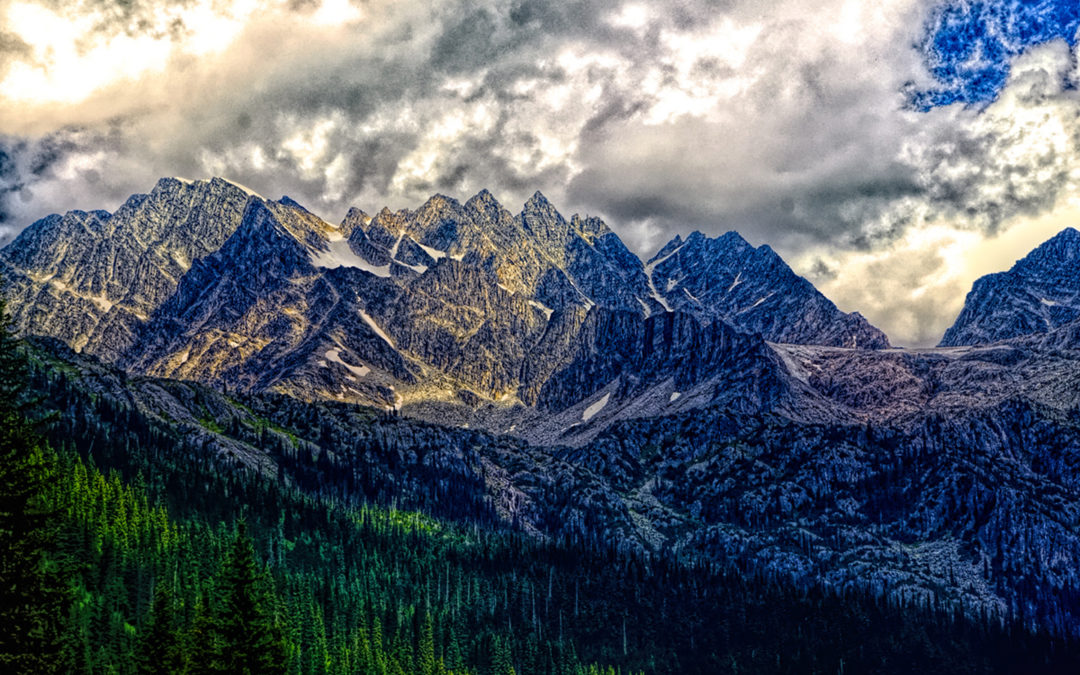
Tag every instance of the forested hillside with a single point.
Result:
(174, 552)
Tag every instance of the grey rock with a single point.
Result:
(754, 290)
(1040, 293)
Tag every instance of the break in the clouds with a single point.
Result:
(878, 146)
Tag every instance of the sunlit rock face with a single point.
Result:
(1039, 294)
(460, 312)
(90, 278)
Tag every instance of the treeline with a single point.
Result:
(167, 556)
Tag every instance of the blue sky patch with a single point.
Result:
(968, 45)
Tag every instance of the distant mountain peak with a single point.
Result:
(289, 201)
(1036, 295)
(356, 216)
(439, 202)
(726, 278)
(172, 181)
(733, 238)
(244, 188)
(538, 201)
(1061, 250)
(175, 183)
(1070, 234)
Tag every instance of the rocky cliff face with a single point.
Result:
(1040, 293)
(753, 290)
(90, 278)
(461, 309)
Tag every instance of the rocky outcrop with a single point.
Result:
(674, 347)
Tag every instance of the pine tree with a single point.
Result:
(426, 656)
(203, 641)
(500, 658)
(252, 641)
(159, 646)
(33, 596)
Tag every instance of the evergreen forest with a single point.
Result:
(132, 545)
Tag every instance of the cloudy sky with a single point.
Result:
(891, 151)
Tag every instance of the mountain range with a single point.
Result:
(460, 310)
(708, 401)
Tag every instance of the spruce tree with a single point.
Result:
(426, 652)
(204, 650)
(33, 596)
(159, 647)
(252, 641)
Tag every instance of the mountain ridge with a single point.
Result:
(914, 474)
(461, 304)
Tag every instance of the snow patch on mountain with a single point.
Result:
(375, 327)
(596, 407)
(338, 253)
(335, 356)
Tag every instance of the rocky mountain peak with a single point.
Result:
(725, 278)
(1040, 293)
(438, 206)
(728, 241)
(484, 202)
(667, 249)
(353, 220)
(286, 200)
(1060, 253)
(539, 204)
(383, 230)
(590, 227)
(540, 218)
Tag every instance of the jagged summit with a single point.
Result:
(1040, 293)
(666, 250)
(416, 309)
(538, 202)
(289, 201)
(727, 279)
(730, 238)
(214, 182)
(1059, 254)
(440, 203)
(483, 201)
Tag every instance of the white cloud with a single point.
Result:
(785, 122)
(997, 181)
(64, 64)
